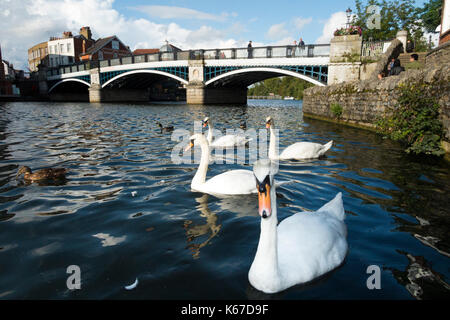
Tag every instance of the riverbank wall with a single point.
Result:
(361, 103)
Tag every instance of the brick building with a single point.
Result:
(60, 50)
(106, 48)
(67, 50)
(37, 54)
(138, 52)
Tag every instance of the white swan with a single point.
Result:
(302, 247)
(227, 141)
(296, 151)
(233, 182)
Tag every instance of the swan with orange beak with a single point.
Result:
(302, 247)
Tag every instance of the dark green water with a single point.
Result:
(185, 245)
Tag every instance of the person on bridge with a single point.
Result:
(250, 49)
(301, 43)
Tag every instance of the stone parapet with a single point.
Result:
(364, 102)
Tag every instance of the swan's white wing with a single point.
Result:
(232, 182)
(311, 244)
(305, 150)
(229, 141)
(301, 150)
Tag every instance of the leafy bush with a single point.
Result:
(336, 109)
(348, 31)
(415, 120)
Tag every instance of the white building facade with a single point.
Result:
(61, 52)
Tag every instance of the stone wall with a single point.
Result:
(439, 55)
(363, 102)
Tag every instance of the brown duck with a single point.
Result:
(42, 174)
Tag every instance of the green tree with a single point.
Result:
(394, 16)
(283, 86)
(430, 14)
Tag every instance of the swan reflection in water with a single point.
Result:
(210, 228)
(240, 205)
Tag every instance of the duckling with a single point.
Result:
(42, 174)
(164, 129)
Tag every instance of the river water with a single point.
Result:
(126, 211)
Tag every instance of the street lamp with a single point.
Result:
(349, 13)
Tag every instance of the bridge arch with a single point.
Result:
(162, 73)
(66, 80)
(276, 71)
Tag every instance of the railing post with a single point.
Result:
(310, 51)
(269, 52)
(233, 53)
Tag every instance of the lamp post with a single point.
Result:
(349, 13)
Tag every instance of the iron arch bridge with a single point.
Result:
(236, 67)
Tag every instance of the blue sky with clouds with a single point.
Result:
(187, 24)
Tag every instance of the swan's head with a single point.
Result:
(264, 171)
(196, 138)
(159, 124)
(205, 122)
(269, 122)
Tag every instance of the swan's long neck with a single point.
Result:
(210, 135)
(266, 258)
(272, 145)
(200, 175)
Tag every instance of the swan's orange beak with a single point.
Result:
(265, 209)
(267, 125)
(189, 146)
(205, 124)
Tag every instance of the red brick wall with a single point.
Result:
(444, 38)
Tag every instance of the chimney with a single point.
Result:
(67, 34)
(86, 32)
(84, 46)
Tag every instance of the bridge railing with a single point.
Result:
(291, 51)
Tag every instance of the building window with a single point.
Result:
(115, 55)
(68, 47)
(61, 48)
(115, 44)
(100, 55)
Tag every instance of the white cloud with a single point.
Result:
(299, 22)
(33, 21)
(277, 31)
(337, 20)
(171, 12)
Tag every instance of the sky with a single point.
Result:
(194, 24)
